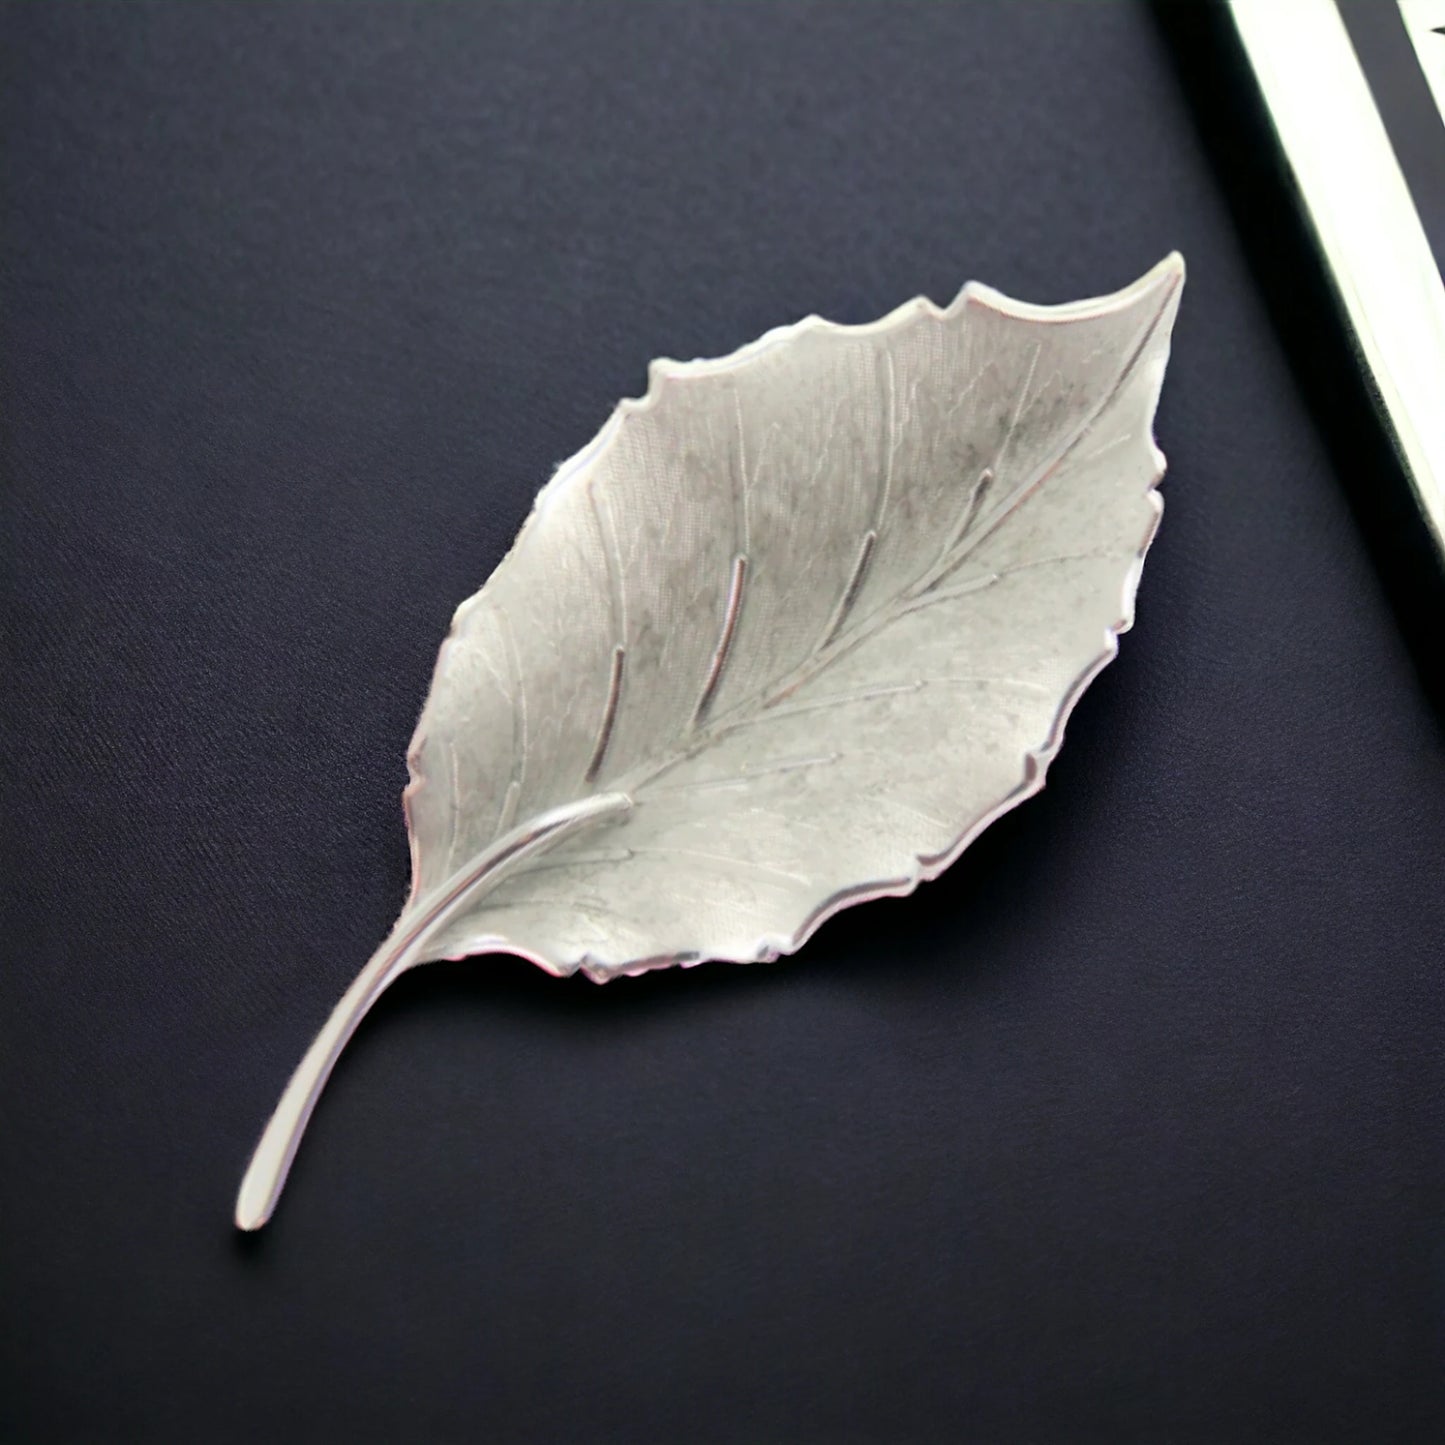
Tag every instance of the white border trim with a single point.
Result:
(1359, 205)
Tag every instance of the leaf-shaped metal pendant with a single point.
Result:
(788, 634)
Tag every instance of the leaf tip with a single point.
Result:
(1173, 265)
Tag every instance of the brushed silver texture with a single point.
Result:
(787, 636)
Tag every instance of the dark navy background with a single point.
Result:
(1128, 1129)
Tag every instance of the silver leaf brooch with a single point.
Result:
(786, 636)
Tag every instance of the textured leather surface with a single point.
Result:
(1128, 1129)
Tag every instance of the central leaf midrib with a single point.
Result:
(635, 782)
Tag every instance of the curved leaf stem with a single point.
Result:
(266, 1175)
(270, 1164)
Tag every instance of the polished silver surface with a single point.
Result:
(790, 632)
